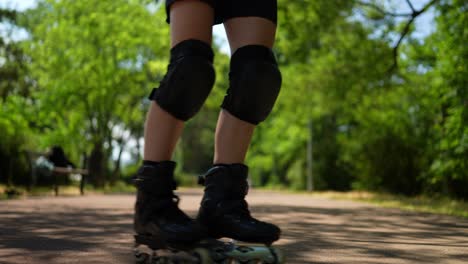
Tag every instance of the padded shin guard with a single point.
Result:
(255, 82)
(188, 81)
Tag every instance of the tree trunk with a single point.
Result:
(97, 172)
(310, 159)
(116, 172)
(10, 172)
(138, 149)
(84, 177)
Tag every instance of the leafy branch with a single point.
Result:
(381, 10)
(406, 29)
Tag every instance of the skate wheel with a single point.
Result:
(202, 255)
(141, 258)
(279, 256)
(160, 260)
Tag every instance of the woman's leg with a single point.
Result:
(181, 93)
(254, 85)
(233, 135)
(190, 19)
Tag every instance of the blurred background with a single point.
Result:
(374, 95)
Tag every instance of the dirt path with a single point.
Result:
(97, 229)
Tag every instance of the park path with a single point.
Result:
(97, 229)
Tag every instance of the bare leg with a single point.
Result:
(232, 138)
(190, 19)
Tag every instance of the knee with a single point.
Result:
(188, 81)
(255, 82)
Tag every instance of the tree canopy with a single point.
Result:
(381, 108)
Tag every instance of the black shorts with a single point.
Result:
(226, 9)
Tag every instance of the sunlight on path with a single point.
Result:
(98, 229)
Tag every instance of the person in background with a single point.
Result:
(57, 157)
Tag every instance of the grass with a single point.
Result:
(436, 205)
(422, 203)
(70, 190)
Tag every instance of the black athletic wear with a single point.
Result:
(226, 9)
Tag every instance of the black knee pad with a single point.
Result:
(188, 81)
(255, 82)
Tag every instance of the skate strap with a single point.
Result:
(157, 185)
(229, 181)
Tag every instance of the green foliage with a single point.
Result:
(14, 128)
(90, 64)
(449, 167)
(403, 132)
(93, 61)
(15, 138)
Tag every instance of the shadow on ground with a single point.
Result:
(367, 235)
(64, 233)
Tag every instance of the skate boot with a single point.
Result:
(158, 221)
(224, 211)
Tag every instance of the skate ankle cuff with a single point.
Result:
(228, 172)
(225, 182)
(156, 178)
